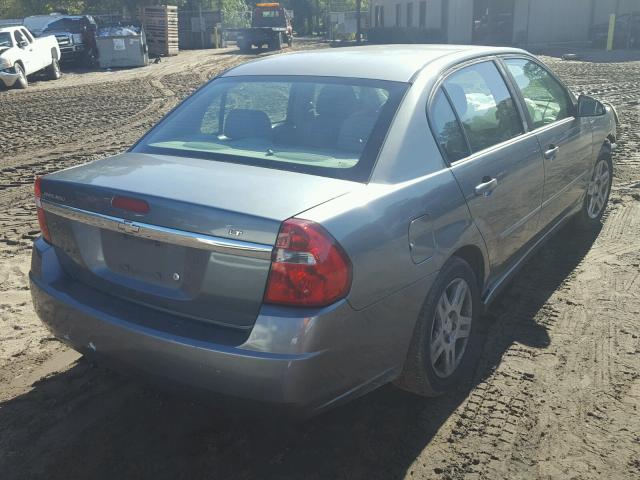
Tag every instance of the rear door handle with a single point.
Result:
(487, 186)
(551, 152)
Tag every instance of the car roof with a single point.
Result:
(398, 63)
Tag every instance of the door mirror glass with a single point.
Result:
(590, 107)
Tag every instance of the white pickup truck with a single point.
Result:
(22, 55)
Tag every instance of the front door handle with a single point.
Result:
(487, 186)
(551, 152)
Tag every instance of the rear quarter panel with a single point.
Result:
(372, 225)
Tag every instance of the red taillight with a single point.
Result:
(130, 204)
(308, 267)
(42, 221)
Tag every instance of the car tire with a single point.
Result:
(596, 197)
(431, 373)
(53, 70)
(22, 81)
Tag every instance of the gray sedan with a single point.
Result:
(310, 226)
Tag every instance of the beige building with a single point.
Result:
(523, 22)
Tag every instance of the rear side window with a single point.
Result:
(546, 99)
(484, 105)
(447, 129)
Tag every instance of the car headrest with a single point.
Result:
(458, 97)
(244, 123)
(336, 101)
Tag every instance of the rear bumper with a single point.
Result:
(305, 361)
(8, 78)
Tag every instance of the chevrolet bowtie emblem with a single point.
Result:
(128, 227)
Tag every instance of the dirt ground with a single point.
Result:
(556, 393)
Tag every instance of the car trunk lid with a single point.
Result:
(202, 249)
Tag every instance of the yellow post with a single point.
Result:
(612, 28)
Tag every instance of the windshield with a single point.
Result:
(70, 25)
(269, 18)
(325, 126)
(5, 39)
(38, 24)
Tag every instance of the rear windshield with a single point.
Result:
(332, 127)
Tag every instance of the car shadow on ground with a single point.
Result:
(90, 423)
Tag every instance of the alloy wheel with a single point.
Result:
(451, 328)
(598, 190)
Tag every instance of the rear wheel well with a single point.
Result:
(473, 256)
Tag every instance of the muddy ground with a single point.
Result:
(556, 393)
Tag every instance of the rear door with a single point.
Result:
(496, 163)
(565, 141)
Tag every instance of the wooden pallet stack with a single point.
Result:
(161, 28)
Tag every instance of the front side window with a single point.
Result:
(324, 126)
(19, 38)
(447, 129)
(546, 99)
(484, 105)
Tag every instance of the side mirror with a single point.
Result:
(23, 44)
(590, 107)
